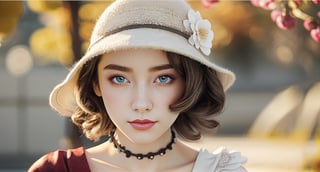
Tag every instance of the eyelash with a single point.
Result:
(113, 78)
(167, 77)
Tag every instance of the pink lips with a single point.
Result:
(142, 124)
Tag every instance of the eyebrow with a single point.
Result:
(161, 67)
(127, 69)
(117, 67)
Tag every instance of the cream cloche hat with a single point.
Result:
(169, 25)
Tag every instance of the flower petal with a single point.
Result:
(190, 40)
(210, 35)
(197, 16)
(193, 28)
(191, 16)
(208, 41)
(202, 34)
(205, 50)
(204, 24)
(186, 25)
(205, 44)
(196, 41)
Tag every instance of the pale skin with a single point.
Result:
(140, 84)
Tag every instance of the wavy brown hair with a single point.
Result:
(202, 100)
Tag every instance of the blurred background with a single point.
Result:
(273, 105)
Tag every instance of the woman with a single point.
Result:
(144, 81)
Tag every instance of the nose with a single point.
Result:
(141, 100)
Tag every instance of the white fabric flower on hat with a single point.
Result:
(202, 35)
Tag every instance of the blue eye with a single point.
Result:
(119, 80)
(164, 79)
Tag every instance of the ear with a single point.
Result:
(96, 89)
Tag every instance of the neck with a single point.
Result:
(106, 155)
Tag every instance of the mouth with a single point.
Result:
(142, 124)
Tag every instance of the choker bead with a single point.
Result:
(140, 156)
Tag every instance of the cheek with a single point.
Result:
(177, 92)
(113, 100)
(169, 97)
(173, 98)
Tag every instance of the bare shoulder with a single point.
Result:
(186, 151)
(183, 159)
(99, 158)
(98, 148)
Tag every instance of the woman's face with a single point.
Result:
(137, 87)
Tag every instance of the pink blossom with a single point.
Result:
(285, 22)
(208, 3)
(315, 34)
(255, 3)
(310, 24)
(265, 4)
(317, 2)
(268, 4)
(275, 14)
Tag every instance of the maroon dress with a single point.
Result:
(71, 160)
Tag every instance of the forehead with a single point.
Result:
(133, 56)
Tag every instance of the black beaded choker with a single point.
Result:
(140, 156)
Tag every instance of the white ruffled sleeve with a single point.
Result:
(220, 160)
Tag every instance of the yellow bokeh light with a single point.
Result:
(43, 6)
(92, 11)
(50, 44)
